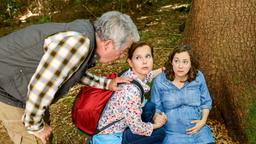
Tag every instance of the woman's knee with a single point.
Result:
(149, 105)
(160, 132)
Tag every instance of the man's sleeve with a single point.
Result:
(64, 53)
(95, 81)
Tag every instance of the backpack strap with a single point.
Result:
(136, 83)
(142, 98)
(122, 72)
(140, 87)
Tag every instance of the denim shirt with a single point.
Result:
(182, 105)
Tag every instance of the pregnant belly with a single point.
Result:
(180, 119)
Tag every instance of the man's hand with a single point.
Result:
(114, 82)
(44, 134)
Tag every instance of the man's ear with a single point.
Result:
(108, 44)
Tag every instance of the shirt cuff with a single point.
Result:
(152, 129)
(159, 111)
(35, 131)
(206, 107)
(108, 83)
(32, 129)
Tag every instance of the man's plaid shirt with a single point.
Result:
(64, 53)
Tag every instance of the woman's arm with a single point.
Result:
(206, 104)
(133, 109)
(205, 114)
(155, 96)
(205, 98)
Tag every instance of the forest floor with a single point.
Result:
(162, 27)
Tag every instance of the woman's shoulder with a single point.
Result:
(160, 77)
(130, 89)
(200, 76)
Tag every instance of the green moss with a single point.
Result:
(251, 124)
(161, 39)
(66, 100)
(44, 19)
(236, 80)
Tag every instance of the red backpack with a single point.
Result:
(89, 105)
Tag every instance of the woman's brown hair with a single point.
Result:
(194, 63)
(135, 45)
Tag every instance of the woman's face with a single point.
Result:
(141, 61)
(181, 64)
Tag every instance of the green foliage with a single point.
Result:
(44, 19)
(8, 10)
(251, 124)
(77, 1)
(147, 95)
(166, 36)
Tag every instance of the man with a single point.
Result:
(41, 62)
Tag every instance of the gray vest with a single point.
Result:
(21, 52)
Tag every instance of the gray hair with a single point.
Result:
(117, 27)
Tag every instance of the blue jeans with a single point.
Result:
(157, 135)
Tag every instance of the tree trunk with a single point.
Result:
(223, 35)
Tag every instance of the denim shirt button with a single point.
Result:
(21, 71)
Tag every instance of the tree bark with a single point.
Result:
(223, 35)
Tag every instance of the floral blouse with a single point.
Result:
(126, 105)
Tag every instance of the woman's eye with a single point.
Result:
(185, 62)
(137, 57)
(148, 56)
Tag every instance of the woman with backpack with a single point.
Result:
(137, 122)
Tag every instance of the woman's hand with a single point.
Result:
(159, 120)
(198, 125)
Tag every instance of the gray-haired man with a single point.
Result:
(41, 62)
